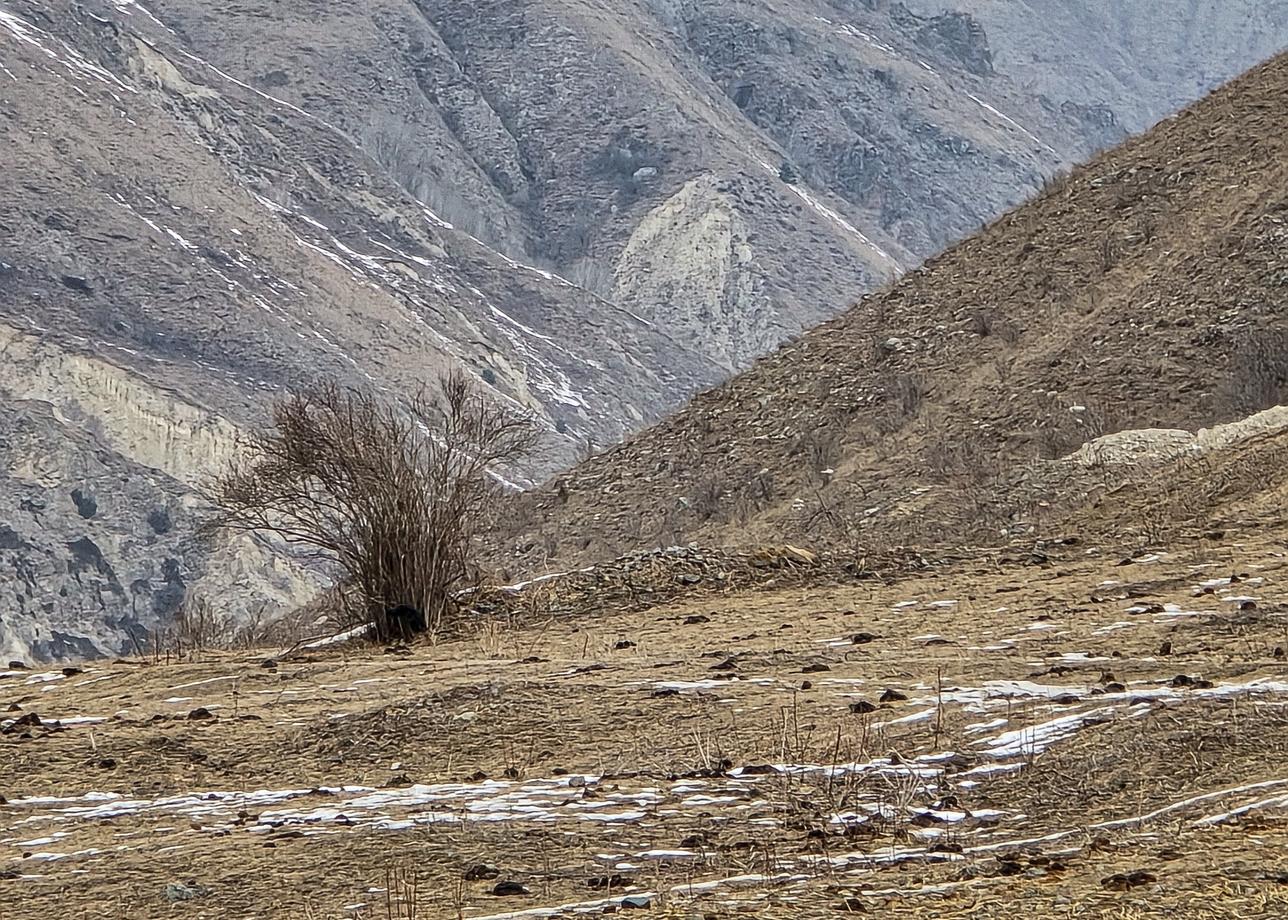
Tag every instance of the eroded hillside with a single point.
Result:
(1144, 290)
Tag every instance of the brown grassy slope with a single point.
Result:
(1141, 289)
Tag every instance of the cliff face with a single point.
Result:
(597, 209)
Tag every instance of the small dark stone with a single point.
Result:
(107, 763)
(1115, 688)
(477, 776)
(806, 685)
(509, 889)
(624, 644)
(816, 668)
(1247, 605)
(760, 769)
(862, 706)
(1009, 867)
(1279, 653)
(864, 638)
(72, 672)
(268, 663)
(636, 902)
(891, 696)
(76, 283)
(18, 666)
(1166, 647)
(607, 882)
(696, 619)
(201, 712)
(664, 692)
(482, 872)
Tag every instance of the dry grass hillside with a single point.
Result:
(1085, 733)
(1144, 290)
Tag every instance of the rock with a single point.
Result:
(1124, 881)
(268, 663)
(798, 555)
(76, 283)
(18, 666)
(200, 713)
(816, 668)
(1166, 648)
(398, 781)
(636, 902)
(482, 872)
(623, 644)
(864, 638)
(862, 706)
(891, 696)
(696, 619)
(177, 891)
(664, 692)
(606, 882)
(509, 889)
(644, 172)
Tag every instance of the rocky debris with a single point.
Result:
(180, 891)
(959, 36)
(1125, 881)
(481, 872)
(509, 889)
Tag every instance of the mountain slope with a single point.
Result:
(597, 209)
(1095, 53)
(1145, 290)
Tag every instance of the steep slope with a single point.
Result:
(1145, 290)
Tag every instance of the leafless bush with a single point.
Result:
(390, 495)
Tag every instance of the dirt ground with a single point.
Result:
(1084, 734)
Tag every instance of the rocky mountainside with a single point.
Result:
(598, 209)
(1142, 59)
(1145, 290)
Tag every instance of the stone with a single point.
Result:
(177, 891)
(509, 889)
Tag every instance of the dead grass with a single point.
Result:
(632, 699)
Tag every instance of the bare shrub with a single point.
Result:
(390, 495)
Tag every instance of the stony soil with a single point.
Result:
(1082, 732)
